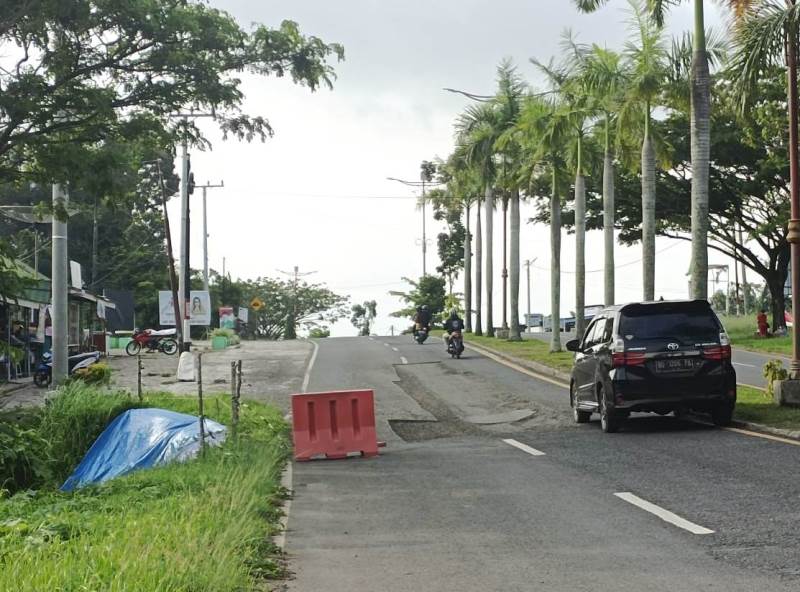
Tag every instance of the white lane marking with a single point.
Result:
(403, 359)
(307, 376)
(286, 483)
(665, 515)
(395, 349)
(745, 365)
(372, 339)
(523, 447)
(386, 344)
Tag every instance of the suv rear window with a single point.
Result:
(685, 322)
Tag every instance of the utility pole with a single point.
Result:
(94, 247)
(504, 273)
(205, 232)
(424, 237)
(426, 178)
(290, 321)
(527, 265)
(60, 286)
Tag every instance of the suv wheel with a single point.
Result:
(722, 415)
(577, 414)
(609, 420)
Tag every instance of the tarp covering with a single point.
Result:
(142, 438)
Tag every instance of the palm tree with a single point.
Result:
(544, 130)
(476, 134)
(508, 100)
(568, 83)
(646, 58)
(700, 124)
(604, 79)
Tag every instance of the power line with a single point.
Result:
(628, 264)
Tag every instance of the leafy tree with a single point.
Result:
(450, 244)
(428, 291)
(290, 305)
(363, 315)
(76, 69)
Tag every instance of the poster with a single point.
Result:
(243, 314)
(199, 308)
(227, 320)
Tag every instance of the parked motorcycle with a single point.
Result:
(420, 334)
(455, 346)
(43, 375)
(155, 341)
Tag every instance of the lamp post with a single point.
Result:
(528, 263)
(426, 178)
(205, 232)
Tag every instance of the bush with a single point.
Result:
(223, 333)
(319, 332)
(23, 459)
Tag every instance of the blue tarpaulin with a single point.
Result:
(142, 438)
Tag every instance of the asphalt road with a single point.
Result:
(456, 504)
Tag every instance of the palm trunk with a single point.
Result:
(608, 219)
(514, 334)
(504, 274)
(580, 246)
(555, 266)
(648, 214)
(478, 271)
(489, 261)
(700, 152)
(467, 274)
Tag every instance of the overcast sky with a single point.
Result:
(312, 196)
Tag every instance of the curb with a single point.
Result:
(13, 389)
(762, 429)
(530, 365)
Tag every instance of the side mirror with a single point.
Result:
(573, 345)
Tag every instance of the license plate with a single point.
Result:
(675, 365)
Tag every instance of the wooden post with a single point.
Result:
(238, 383)
(234, 401)
(200, 399)
(139, 376)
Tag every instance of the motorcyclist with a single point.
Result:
(452, 324)
(422, 320)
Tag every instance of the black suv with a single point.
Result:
(655, 356)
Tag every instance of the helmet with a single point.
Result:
(453, 313)
(424, 307)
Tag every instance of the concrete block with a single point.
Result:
(787, 393)
(186, 367)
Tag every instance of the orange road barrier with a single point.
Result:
(334, 424)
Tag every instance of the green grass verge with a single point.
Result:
(754, 406)
(741, 331)
(530, 349)
(201, 525)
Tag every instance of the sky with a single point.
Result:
(316, 194)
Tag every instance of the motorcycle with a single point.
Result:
(420, 334)
(161, 341)
(455, 345)
(43, 375)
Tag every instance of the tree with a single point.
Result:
(290, 305)
(427, 291)
(604, 79)
(544, 131)
(646, 56)
(700, 128)
(77, 69)
(476, 135)
(363, 315)
(749, 183)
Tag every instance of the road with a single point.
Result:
(455, 504)
(748, 364)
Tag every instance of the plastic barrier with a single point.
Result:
(334, 424)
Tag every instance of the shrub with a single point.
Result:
(774, 370)
(319, 332)
(223, 333)
(23, 459)
(73, 419)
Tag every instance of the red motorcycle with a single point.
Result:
(155, 341)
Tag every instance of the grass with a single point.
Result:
(754, 406)
(200, 525)
(529, 349)
(741, 331)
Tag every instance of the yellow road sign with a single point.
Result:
(256, 304)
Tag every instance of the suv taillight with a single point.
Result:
(721, 351)
(619, 359)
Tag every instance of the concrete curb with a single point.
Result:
(529, 364)
(762, 429)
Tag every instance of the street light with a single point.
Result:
(425, 180)
(528, 263)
